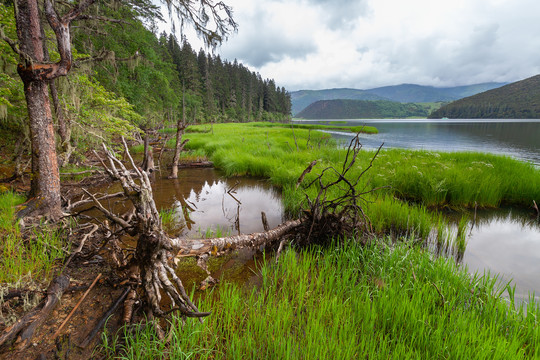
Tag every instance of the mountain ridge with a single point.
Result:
(403, 93)
(517, 100)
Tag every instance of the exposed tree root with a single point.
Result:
(341, 217)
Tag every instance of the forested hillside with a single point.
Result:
(519, 100)
(404, 93)
(303, 98)
(363, 109)
(126, 77)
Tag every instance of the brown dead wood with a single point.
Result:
(24, 329)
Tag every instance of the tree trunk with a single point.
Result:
(180, 127)
(46, 175)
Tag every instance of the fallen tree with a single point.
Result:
(151, 267)
(155, 249)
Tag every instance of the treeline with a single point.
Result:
(363, 109)
(226, 90)
(127, 77)
(519, 100)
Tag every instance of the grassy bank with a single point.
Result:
(353, 129)
(379, 302)
(424, 179)
(28, 259)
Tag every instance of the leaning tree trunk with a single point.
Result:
(36, 73)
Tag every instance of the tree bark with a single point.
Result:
(46, 175)
(180, 127)
(36, 73)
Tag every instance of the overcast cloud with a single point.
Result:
(316, 44)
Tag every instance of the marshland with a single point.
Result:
(404, 294)
(160, 203)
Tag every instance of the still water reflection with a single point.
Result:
(507, 242)
(517, 138)
(204, 201)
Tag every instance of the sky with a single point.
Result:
(363, 44)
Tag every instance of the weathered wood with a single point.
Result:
(305, 172)
(190, 247)
(155, 248)
(27, 325)
(264, 220)
(180, 143)
(76, 306)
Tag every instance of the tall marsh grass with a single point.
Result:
(416, 180)
(381, 301)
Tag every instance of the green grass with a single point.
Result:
(8, 201)
(334, 126)
(26, 259)
(381, 301)
(457, 179)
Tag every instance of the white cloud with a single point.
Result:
(314, 44)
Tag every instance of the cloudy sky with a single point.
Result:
(317, 44)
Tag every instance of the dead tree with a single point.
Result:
(329, 218)
(180, 143)
(155, 249)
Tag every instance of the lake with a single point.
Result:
(517, 138)
(504, 241)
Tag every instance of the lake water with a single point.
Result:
(504, 242)
(517, 138)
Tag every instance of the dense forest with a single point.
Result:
(519, 100)
(126, 77)
(363, 109)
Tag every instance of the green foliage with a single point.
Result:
(12, 101)
(363, 109)
(25, 259)
(96, 114)
(519, 100)
(137, 65)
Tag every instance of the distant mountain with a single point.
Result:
(362, 109)
(405, 93)
(301, 99)
(518, 100)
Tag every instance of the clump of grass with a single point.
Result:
(378, 301)
(26, 259)
(8, 201)
(137, 149)
(217, 232)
